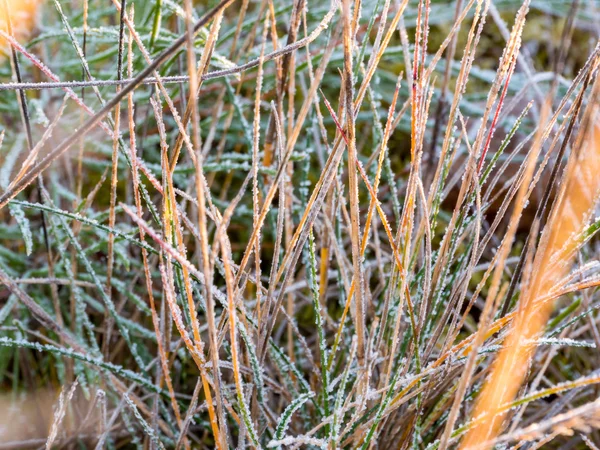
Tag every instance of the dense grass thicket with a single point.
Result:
(327, 224)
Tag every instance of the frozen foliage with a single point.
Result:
(339, 224)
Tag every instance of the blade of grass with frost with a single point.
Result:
(575, 243)
(114, 179)
(285, 419)
(363, 48)
(380, 410)
(145, 426)
(246, 128)
(419, 104)
(395, 250)
(462, 221)
(156, 23)
(254, 364)
(441, 293)
(255, 180)
(566, 312)
(338, 414)
(360, 325)
(180, 295)
(6, 310)
(245, 412)
(320, 331)
(23, 222)
(541, 210)
(383, 153)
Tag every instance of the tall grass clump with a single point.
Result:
(299, 224)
